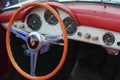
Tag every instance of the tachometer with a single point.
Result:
(50, 18)
(70, 25)
(34, 22)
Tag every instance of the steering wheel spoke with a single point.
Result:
(33, 62)
(61, 44)
(51, 39)
(21, 34)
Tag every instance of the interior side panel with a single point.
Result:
(3, 54)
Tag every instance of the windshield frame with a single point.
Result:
(65, 1)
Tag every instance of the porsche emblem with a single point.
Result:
(32, 42)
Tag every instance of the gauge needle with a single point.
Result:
(51, 17)
(34, 21)
(69, 26)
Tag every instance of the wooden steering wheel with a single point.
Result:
(35, 41)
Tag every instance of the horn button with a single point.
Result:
(35, 40)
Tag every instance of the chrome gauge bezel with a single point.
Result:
(70, 25)
(108, 38)
(34, 22)
(50, 18)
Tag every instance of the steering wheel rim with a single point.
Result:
(61, 62)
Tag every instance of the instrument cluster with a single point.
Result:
(45, 22)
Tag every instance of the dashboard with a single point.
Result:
(44, 22)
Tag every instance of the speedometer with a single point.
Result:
(50, 18)
(70, 25)
(34, 22)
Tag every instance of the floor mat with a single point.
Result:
(82, 71)
(84, 74)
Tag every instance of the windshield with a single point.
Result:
(7, 3)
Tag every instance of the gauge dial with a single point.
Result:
(34, 22)
(108, 39)
(50, 18)
(70, 25)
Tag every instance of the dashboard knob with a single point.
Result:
(95, 38)
(87, 36)
(15, 25)
(21, 26)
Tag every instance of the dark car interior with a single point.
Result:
(71, 40)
